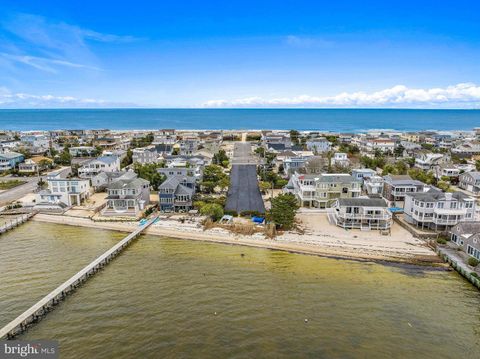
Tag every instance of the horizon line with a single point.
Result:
(242, 108)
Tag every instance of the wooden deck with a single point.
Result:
(47, 303)
(16, 222)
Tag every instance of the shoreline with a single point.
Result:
(228, 238)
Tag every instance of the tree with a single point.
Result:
(220, 158)
(398, 152)
(332, 139)
(98, 151)
(425, 177)
(142, 141)
(477, 165)
(214, 176)
(64, 158)
(443, 185)
(212, 210)
(149, 172)
(127, 160)
(295, 137)
(264, 186)
(282, 211)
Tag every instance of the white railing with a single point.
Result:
(383, 216)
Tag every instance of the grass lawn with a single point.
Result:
(10, 184)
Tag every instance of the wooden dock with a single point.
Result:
(46, 304)
(16, 222)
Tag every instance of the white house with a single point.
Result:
(427, 160)
(127, 197)
(318, 145)
(97, 165)
(470, 181)
(62, 192)
(340, 159)
(361, 213)
(438, 210)
(144, 155)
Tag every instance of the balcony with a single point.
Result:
(359, 216)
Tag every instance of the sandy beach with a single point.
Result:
(320, 239)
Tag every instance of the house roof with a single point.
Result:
(128, 183)
(434, 195)
(107, 159)
(402, 180)
(474, 174)
(183, 190)
(362, 202)
(342, 178)
(10, 155)
(467, 228)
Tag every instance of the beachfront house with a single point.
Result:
(93, 167)
(396, 187)
(466, 236)
(470, 181)
(321, 190)
(10, 160)
(176, 193)
(361, 213)
(101, 181)
(127, 196)
(63, 192)
(437, 210)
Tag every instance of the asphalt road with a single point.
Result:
(242, 154)
(243, 193)
(18, 192)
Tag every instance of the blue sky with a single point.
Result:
(240, 54)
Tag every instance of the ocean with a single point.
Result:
(336, 120)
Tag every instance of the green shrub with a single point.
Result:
(473, 262)
(441, 241)
(251, 214)
(473, 274)
(212, 210)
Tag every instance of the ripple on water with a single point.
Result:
(159, 299)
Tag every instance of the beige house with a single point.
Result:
(322, 190)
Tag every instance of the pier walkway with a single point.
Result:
(16, 222)
(46, 304)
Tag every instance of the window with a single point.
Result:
(454, 238)
(453, 205)
(440, 205)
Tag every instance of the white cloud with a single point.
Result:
(9, 99)
(307, 42)
(44, 64)
(45, 45)
(463, 95)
